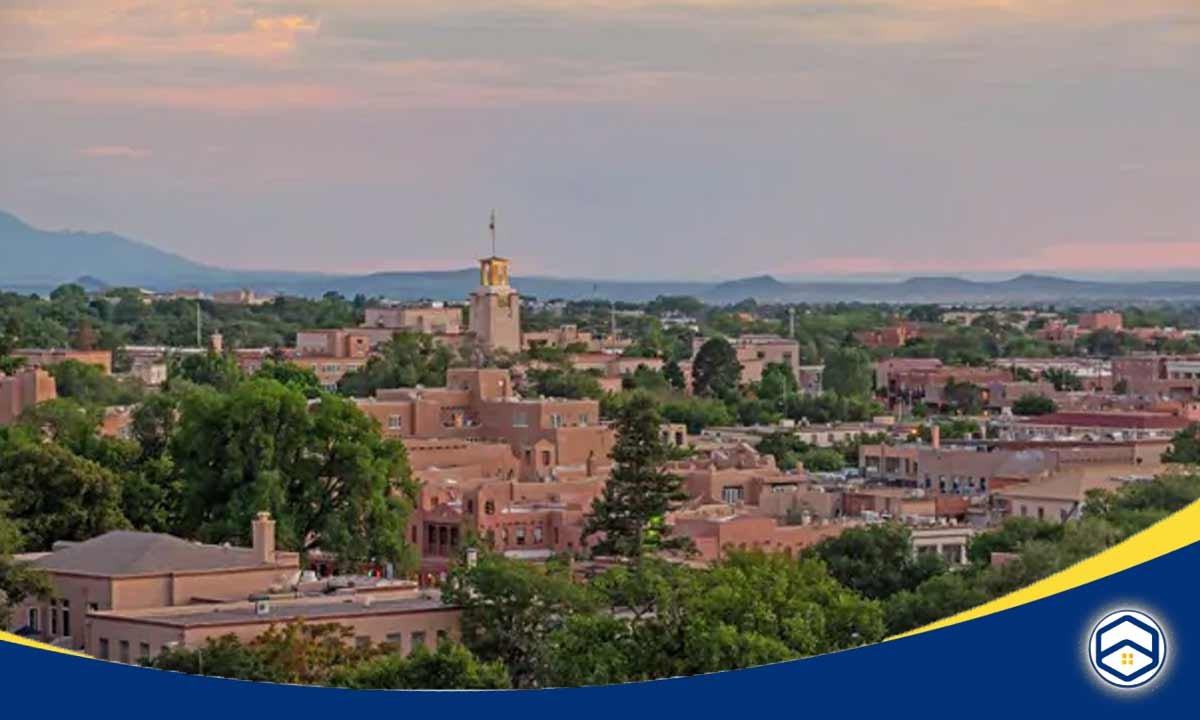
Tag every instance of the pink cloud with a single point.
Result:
(115, 151)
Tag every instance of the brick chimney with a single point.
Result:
(935, 436)
(262, 530)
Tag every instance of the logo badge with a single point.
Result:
(1127, 648)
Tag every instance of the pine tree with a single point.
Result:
(640, 492)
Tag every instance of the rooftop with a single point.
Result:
(309, 609)
(125, 552)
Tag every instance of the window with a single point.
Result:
(583, 419)
(103, 648)
(33, 619)
(144, 651)
(520, 420)
(489, 508)
(442, 636)
(537, 534)
(396, 639)
(519, 534)
(362, 642)
(393, 422)
(66, 619)
(124, 652)
(418, 639)
(555, 420)
(546, 457)
(732, 494)
(53, 617)
(1041, 513)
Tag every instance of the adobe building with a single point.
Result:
(128, 596)
(1159, 376)
(433, 318)
(127, 570)
(24, 389)
(404, 619)
(495, 316)
(42, 357)
(1107, 320)
(546, 435)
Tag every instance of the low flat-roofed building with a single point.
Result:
(404, 619)
(46, 357)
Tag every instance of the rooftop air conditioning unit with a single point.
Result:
(262, 607)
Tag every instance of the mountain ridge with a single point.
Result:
(38, 260)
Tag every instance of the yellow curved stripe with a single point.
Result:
(18, 640)
(1168, 535)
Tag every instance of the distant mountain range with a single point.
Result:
(38, 260)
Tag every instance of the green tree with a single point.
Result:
(638, 495)
(697, 413)
(18, 579)
(450, 667)
(823, 460)
(326, 475)
(407, 360)
(89, 385)
(1034, 405)
(938, 597)
(52, 494)
(564, 383)
(674, 375)
(716, 371)
(509, 607)
(218, 370)
(292, 375)
(1062, 380)
(877, 560)
(1185, 446)
(849, 373)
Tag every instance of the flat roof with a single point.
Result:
(189, 616)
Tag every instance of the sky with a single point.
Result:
(670, 139)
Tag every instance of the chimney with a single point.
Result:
(216, 343)
(262, 530)
(935, 436)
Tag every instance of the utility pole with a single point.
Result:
(792, 322)
(199, 341)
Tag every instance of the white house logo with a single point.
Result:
(1127, 648)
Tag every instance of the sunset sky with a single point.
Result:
(616, 138)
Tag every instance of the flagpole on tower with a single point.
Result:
(492, 227)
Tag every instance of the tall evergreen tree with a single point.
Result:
(640, 492)
(716, 371)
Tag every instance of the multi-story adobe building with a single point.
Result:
(127, 596)
(894, 336)
(433, 318)
(22, 390)
(1159, 376)
(547, 435)
(1106, 320)
(979, 468)
(43, 357)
